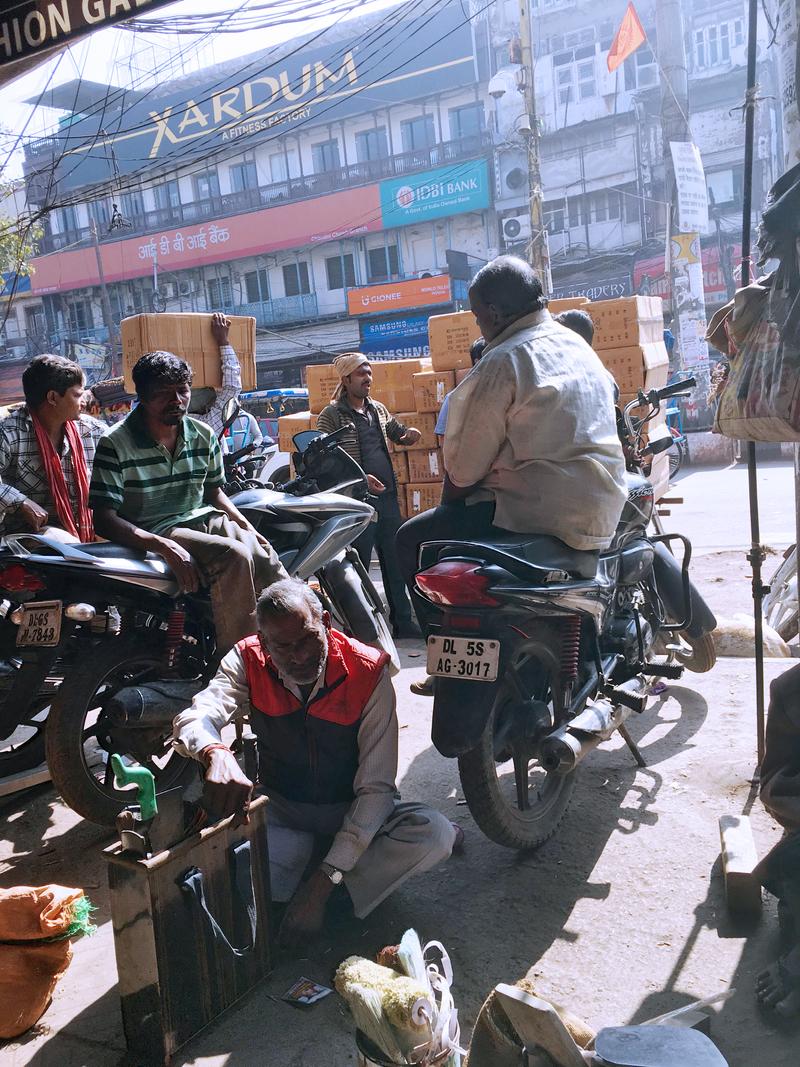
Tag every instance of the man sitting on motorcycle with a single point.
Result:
(47, 449)
(157, 486)
(322, 706)
(531, 444)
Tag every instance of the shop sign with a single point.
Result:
(435, 194)
(610, 289)
(402, 337)
(417, 292)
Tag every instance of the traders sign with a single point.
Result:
(33, 26)
(436, 194)
(394, 296)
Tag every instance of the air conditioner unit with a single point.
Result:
(168, 290)
(516, 228)
(424, 274)
(185, 288)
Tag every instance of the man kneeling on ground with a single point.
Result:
(157, 486)
(322, 707)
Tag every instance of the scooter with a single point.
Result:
(107, 651)
(540, 652)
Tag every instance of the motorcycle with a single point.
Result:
(540, 652)
(106, 651)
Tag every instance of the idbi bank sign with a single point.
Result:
(435, 194)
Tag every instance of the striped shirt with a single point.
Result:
(22, 470)
(150, 486)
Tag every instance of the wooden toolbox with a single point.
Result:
(191, 931)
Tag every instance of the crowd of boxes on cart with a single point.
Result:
(628, 339)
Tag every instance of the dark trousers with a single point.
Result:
(381, 536)
(456, 521)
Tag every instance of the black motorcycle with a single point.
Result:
(539, 652)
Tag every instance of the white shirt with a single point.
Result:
(374, 784)
(533, 424)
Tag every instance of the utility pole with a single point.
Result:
(539, 249)
(685, 255)
(108, 318)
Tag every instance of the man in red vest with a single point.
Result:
(322, 707)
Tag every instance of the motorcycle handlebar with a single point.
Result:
(234, 457)
(676, 388)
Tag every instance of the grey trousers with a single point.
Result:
(236, 566)
(414, 839)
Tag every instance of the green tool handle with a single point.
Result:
(143, 780)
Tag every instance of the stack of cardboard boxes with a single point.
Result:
(628, 339)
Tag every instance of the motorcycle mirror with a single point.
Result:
(655, 448)
(230, 410)
(303, 439)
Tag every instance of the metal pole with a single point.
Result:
(104, 298)
(539, 252)
(756, 555)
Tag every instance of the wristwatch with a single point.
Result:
(335, 875)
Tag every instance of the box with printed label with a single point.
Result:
(400, 467)
(627, 321)
(421, 496)
(431, 387)
(321, 380)
(461, 374)
(289, 425)
(424, 421)
(638, 366)
(450, 337)
(567, 303)
(188, 335)
(393, 382)
(425, 465)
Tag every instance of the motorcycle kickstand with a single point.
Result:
(622, 730)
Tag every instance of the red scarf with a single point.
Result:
(54, 472)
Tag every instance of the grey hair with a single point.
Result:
(285, 597)
(510, 285)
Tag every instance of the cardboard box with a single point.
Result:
(627, 321)
(450, 337)
(420, 496)
(659, 475)
(431, 387)
(289, 425)
(321, 380)
(424, 421)
(400, 468)
(425, 465)
(461, 374)
(189, 336)
(638, 366)
(393, 382)
(402, 503)
(567, 303)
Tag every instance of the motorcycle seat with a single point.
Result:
(110, 550)
(548, 553)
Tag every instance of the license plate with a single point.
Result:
(473, 659)
(41, 623)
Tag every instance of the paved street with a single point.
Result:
(620, 917)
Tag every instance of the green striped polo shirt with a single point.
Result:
(147, 484)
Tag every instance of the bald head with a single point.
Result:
(503, 291)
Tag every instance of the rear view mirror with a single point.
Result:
(230, 410)
(303, 439)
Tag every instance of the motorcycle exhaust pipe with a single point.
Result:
(151, 707)
(562, 750)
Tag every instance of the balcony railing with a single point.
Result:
(281, 310)
(312, 185)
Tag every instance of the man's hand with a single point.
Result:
(305, 915)
(32, 515)
(219, 328)
(411, 436)
(375, 484)
(181, 564)
(227, 790)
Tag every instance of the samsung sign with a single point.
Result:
(401, 337)
(268, 97)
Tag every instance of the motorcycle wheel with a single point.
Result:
(701, 654)
(514, 801)
(79, 743)
(780, 604)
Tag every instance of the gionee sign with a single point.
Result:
(418, 292)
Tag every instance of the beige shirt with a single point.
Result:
(374, 783)
(534, 425)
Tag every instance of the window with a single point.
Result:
(34, 320)
(725, 186)
(738, 32)
(244, 176)
(613, 204)
(167, 195)
(371, 145)
(295, 279)
(325, 156)
(100, 212)
(640, 69)
(574, 70)
(219, 292)
(206, 185)
(600, 207)
(418, 133)
(631, 200)
(383, 263)
(79, 316)
(576, 211)
(712, 44)
(467, 121)
(554, 217)
(132, 204)
(68, 219)
(278, 171)
(341, 271)
(256, 283)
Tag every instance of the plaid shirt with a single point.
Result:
(22, 470)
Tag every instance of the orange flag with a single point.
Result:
(629, 36)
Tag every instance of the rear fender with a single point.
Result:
(460, 713)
